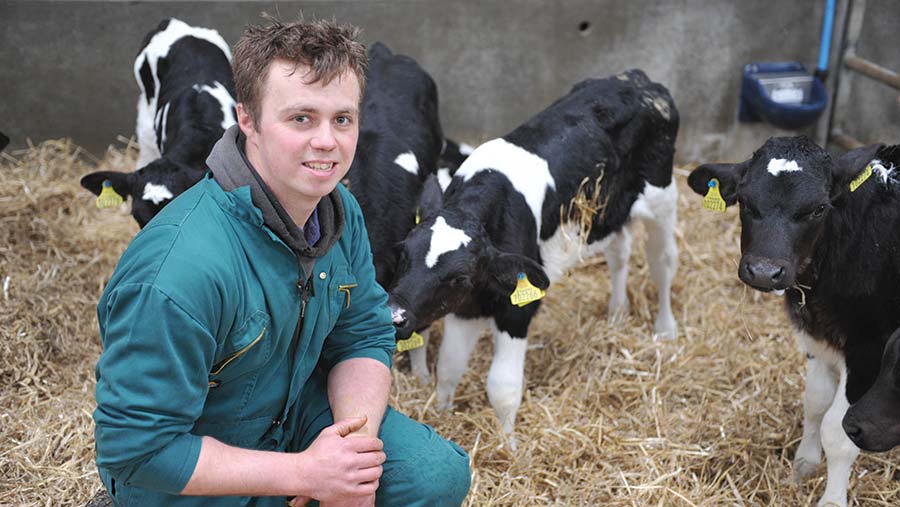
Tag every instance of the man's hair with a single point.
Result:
(326, 47)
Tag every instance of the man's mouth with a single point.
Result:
(322, 167)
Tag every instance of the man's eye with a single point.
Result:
(301, 119)
(343, 120)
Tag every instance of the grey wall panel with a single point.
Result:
(65, 67)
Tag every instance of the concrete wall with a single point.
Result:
(869, 110)
(65, 66)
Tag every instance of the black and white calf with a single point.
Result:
(873, 422)
(826, 232)
(4, 141)
(506, 212)
(186, 103)
(400, 140)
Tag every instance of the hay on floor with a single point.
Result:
(610, 416)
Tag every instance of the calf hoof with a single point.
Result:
(804, 469)
(666, 328)
(832, 502)
(424, 378)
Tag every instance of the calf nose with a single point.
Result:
(765, 273)
(852, 429)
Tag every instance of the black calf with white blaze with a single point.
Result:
(826, 232)
(399, 144)
(186, 103)
(507, 211)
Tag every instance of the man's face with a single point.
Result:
(304, 138)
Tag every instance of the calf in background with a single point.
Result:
(186, 104)
(826, 233)
(510, 213)
(400, 141)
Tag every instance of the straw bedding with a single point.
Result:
(610, 416)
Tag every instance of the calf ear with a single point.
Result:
(504, 269)
(431, 199)
(121, 182)
(729, 175)
(849, 165)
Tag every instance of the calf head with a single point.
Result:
(444, 262)
(873, 422)
(786, 192)
(150, 187)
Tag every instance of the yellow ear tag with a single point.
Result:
(713, 198)
(859, 180)
(108, 197)
(525, 293)
(418, 217)
(413, 342)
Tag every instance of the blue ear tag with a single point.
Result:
(108, 197)
(525, 292)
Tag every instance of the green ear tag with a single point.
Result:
(418, 217)
(108, 197)
(525, 293)
(859, 180)
(413, 342)
(713, 198)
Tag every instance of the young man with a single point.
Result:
(234, 337)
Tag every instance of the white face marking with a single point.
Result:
(528, 173)
(444, 239)
(779, 165)
(156, 193)
(408, 162)
(226, 101)
(466, 149)
(444, 178)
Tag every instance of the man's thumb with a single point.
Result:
(348, 426)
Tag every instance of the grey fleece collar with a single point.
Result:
(231, 170)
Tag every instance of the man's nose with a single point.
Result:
(323, 139)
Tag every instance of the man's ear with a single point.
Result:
(244, 119)
(849, 165)
(121, 182)
(504, 269)
(431, 199)
(729, 175)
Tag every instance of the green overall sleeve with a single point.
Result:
(151, 386)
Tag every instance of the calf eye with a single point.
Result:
(812, 215)
(459, 281)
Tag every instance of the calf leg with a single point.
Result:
(840, 452)
(460, 338)
(617, 253)
(417, 360)
(818, 395)
(504, 384)
(662, 256)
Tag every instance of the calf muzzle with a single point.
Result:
(765, 274)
